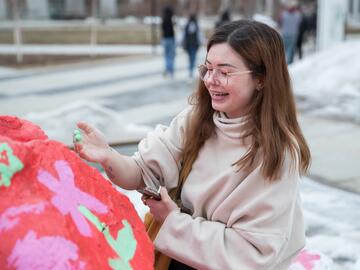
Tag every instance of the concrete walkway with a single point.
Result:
(36, 49)
(335, 149)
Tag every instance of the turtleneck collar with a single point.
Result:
(231, 127)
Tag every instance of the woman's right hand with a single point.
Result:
(92, 145)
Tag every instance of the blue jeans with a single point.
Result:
(192, 59)
(289, 44)
(169, 53)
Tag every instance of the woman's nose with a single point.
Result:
(211, 78)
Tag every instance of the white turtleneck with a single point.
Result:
(240, 220)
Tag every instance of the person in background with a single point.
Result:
(301, 33)
(224, 18)
(168, 40)
(191, 41)
(290, 21)
(234, 159)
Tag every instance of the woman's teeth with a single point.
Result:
(218, 94)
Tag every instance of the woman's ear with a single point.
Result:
(259, 84)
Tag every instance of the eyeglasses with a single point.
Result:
(222, 77)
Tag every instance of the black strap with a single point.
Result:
(176, 265)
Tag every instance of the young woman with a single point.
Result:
(237, 154)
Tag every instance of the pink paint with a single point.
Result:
(68, 197)
(53, 252)
(307, 259)
(10, 217)
(4, 158)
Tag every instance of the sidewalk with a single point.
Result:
(335, 150)
(64, 49)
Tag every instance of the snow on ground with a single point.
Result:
(60, 123)
(327, 83)
(332, 223)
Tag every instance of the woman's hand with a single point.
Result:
(91, 144)
(161, 209)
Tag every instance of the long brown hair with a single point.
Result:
(273, 124)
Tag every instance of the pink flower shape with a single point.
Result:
(49, 252)
(68, 197)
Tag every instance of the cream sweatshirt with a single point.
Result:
(239, 221)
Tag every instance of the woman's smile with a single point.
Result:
(218, 96)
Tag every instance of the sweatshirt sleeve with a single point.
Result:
(254, 236)
(158, 155)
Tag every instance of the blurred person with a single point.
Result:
(224, 18)
(301, 33)
(168, 40)
(312, 21)
(228, 166)
(290, 21)
(191, 41)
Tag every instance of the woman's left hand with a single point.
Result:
(161, 209)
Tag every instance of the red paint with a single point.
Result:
(20, 130)
(36, 152)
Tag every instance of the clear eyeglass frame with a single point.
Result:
(222, 77)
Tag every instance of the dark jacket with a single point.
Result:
(167, 24)
(191, 35)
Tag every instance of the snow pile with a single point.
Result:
(332, 223)
(60, 123)
(328, 82)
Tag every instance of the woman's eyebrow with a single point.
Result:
(221, 65)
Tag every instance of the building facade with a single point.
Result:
(80, 9)
(354, 10)
(58, 9)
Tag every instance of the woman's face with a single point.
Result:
(230, 94)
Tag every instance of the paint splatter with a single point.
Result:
(10, 217)
(124, 245)
(307, 260)
(68, 197)
(50, 252)
(9, 164)
(77, 136)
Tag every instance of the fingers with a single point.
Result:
(148, 200)
(164, 194)
(85, 127)
(79, 149)
(144, 198)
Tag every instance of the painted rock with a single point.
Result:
(20, 130)
(57, 212)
